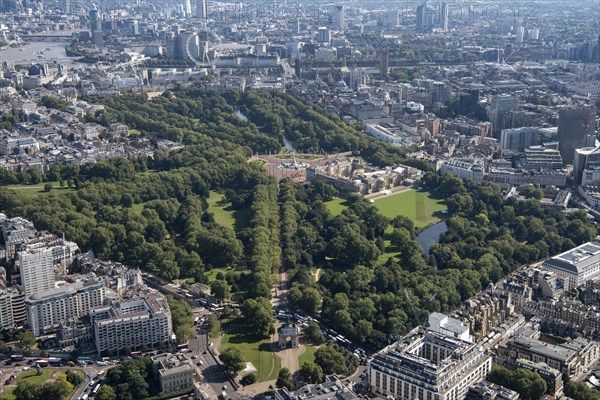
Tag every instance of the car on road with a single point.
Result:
(224, 387)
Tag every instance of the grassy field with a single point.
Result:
(32, 377)
(38, 190)
(258, 353)
(416, 205)
(307, 356)
(212, 274)
(225, 215)
(138, 208)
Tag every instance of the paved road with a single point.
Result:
(212, 372)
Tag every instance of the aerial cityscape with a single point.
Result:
(299, 200)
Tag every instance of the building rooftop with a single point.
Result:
(576, 259)
(63, 290)
(332, 388)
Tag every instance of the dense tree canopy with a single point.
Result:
(153, 213)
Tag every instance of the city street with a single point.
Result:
(212, 371)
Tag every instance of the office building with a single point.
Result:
(576, 266)
(174, 372)
(46, 310)
(324, 36)
(535, 34)
(515, 141)
(520, 34)
(420, 22)
(384, 65)
(445, 17)
(428, 365)
(130, 323)
(172, 41)
(338, 17)
(96, 28)
(66, 6)
(574, 123)
(187, 7)
(498, 106)
(202, 9)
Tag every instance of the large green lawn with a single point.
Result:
(212, 274)
(225, 215)
(416, 205)
(38, 190)
(308, 355)
(258, 353)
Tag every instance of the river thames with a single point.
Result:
(37, 52)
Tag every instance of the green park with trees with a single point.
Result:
(162, 214)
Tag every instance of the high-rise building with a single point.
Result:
(384, 66)
(187, 7)
(520, 34)
(295, 25)
(338, 17)
(535, 34)
(96, 28)
(574, 123)
(498, 106)
(172, 45)
(420, 17)
(202, 9)
(444, 17)
(298, 66)
(36, 266)
(65, 6)
(324, 36)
